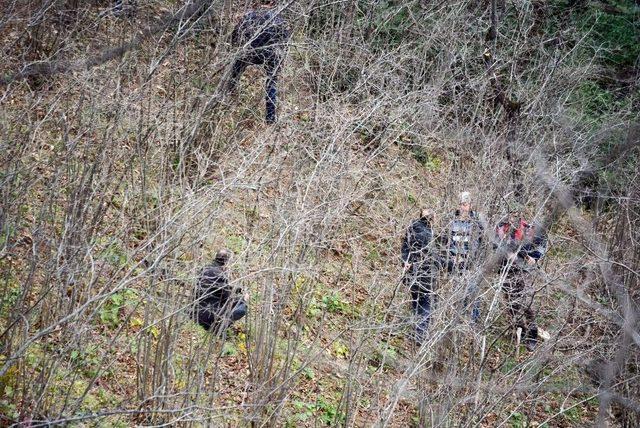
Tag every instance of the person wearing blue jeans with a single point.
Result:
(464, 238)
(218, 304)
(420, 268)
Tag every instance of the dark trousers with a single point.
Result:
(271, 60)
(421, 303)
(420, 282)
(520, 300)
(216, 318)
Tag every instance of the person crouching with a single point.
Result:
(218, 304)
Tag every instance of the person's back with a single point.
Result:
(213, 285)
(420, 267)
(416, 247)
(262, 29)
(217, 302)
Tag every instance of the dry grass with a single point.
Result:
(120, 181)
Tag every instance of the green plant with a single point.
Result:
(509, 365)
(313, 308)
(517, 420)
(86, 360)
(236, 243)
(110, 310)
(572, 414)
(384, 354)
(321, 410)
(594, 100)
(10, 296)
(426, 159)
(374, 254)
(615, 33)
(229, 350)
(334, 303)
(115, 255)
(340, 350)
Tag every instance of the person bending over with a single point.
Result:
(262, 36)
(218, 304)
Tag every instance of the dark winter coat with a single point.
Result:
(215, 296)
(418, 250)
(264, 30)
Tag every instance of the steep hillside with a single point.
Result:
(126, 166)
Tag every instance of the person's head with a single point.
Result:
(222, 257)
(515, 213)
(426, 214)
(464, 199)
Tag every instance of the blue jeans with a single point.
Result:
(239, 311)
(214, 317)
(472, 290)
(271, 60)
(472, 293)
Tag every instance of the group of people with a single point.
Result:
(519, 246)
(262, 36)
(425, 258)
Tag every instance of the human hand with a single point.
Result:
(531, 261)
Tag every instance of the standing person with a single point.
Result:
(464, 238)
(421, 263)
(218, 304)
(521, 246)
(263, 36)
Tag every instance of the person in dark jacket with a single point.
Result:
(464, 239)
(263, 36)
(521, 246)
(421, 264)
(218, 304)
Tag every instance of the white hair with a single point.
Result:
(465, 197)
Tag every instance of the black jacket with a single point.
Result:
(262, 29)
(418, 245)
(213, 287)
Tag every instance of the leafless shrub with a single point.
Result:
(124, 170)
